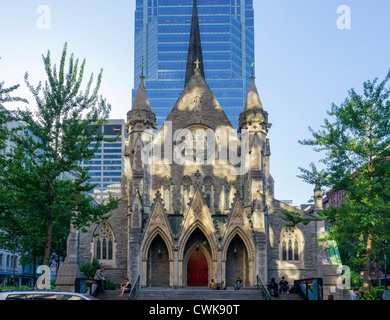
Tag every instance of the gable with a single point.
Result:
(198, 105)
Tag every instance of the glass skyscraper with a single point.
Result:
(162, 31)
(108, 165)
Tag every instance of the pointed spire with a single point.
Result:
(195, 55)
(253, 99)
(141, 100)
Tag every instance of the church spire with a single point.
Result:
(194, 48)
(141, 100)
(253, 99)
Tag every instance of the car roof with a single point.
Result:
(40, 291)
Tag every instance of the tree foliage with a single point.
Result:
(45, 188)
(355, 142)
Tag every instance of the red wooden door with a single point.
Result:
(197, 270)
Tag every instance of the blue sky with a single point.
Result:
(304, 62)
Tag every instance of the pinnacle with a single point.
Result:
(253, 99)
(141, 100)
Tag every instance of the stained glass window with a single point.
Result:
(104, 243)
(291, 245)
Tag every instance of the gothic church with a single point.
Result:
(188, 215)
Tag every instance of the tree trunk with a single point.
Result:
(34, 271)
(367, 266)
(49, 231)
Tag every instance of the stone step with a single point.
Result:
(194, 294)
(290, 296)
(113, 295)
(198, 294)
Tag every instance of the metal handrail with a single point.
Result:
(261, 287)
(135, 289)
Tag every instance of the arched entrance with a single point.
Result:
(237, 262)
(158, 264)
(197, 269)
(197, 261)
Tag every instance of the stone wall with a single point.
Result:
(117, 269)
(306, 267)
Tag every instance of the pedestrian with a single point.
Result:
(355, 294)
(283, 284)
(100, 279)
(126, 287)
(239, 284)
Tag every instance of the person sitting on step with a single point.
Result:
(126, 287)
(239, 284)
(283, 285)
(273, 288)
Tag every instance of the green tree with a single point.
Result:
(45, 188)
(355, 144)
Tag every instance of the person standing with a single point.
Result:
(355, 294)
(99, 277)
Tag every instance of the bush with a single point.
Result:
(374, 294)
(15, 288)
(89, 269)
(110, 285)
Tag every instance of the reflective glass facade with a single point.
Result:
(162, 30)
(107, 167)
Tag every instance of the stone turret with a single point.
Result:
(254, 126)
(141, 123)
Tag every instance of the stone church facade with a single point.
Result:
(198, 201)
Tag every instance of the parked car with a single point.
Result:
(43, 295)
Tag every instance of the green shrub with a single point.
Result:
(374, 294)
(89, 269)
(110, 285)
(15, 288)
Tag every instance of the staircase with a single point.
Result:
(113, 295)
(289, 296)
(194, 294)
(198, 294)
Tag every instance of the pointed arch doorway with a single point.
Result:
(158, 264)
(197, 269)
(237, 264)
(197, 263)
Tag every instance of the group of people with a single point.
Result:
(125, 287)
(275, 289)
(219, 285)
